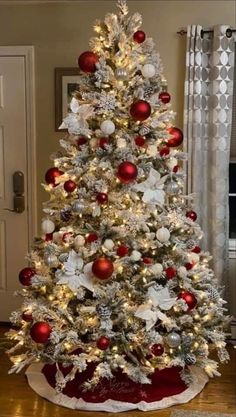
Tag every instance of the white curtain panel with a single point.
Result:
(207, 129)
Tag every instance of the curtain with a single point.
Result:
(207, 130)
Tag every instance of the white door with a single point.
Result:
(14, 227)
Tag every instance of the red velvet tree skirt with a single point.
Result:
(119, 393)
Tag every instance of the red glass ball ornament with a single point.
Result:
(27, 316)
(164, 97)
(164, 151)
(157, 349)
(140, 110)
(176, 168)
(40, 332)
(189, 298)
(51, 175)
(177, 137)
(103, 343)
(48, 237)
(103, 142)
(127, 172)
(102, 198)
(139, 36)
(122, 250)
(170, 272)
(70, 186)
(82, 140)
(147, 260)
(189, 266)
(25, 276)
(140, 141)
(197, 249)
(87, 61)
(91, 237)
(102, 268)
(191, 215)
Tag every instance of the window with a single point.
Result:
(232, 167)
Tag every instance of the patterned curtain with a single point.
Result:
(207, 129)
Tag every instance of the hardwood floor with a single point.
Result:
(18, 400)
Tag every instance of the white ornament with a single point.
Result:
(173, 339)
(121, 143)
(152, 188)
(109, 244)
(135, 255)
(79, 241)
(182, 272)
(163, 234)
(48, 226)
(148, 70)
(156, 269)
(193, 257)
(107, 127)
(171, 163)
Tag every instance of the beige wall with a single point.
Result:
(60, 32)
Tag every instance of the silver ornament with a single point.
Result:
(51, 260)
(77, 206)
(172, 187)
(63, 257)
(121, 74)
(173, 339)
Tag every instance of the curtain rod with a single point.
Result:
(228, 32)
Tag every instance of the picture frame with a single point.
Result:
(65, 85)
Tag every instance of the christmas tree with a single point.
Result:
(118, 277)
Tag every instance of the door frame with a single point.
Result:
(27, 52)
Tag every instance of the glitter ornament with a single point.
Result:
(103, 142)
(103, 343)
(109, 244)
(26, 275)
(127, 172)
(189, 266)
(148, 71)
(140, 110)
(140, 141)
(82, 140)
(196, 249)
(70, 186)
(79, 241)
(48, 237)
(157, 349)
(157, 269)
(27, 316)
(163, 234)
(147, 260)
(87, 61)
(102, 198)
(121, 74)
(170, 272)
(177, 137)
(164, 151)
(107, 127)
(135, 255)
(47, 226)
(176, 168)
(40, 332)
(91, 237)
(139, 36)
(164, 96)
(189, 298)
(102, 268)
(191, 215)
(51, 175)
(173, 339)
(122, 250)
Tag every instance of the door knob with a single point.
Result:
(18, 189)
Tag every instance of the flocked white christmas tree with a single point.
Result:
(118, 276)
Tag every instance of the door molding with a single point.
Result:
(27, 52)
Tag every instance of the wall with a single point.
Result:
(60, 32)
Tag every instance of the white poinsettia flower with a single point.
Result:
(76, 120)
(151, 310)
(75, 274)
(152, 188)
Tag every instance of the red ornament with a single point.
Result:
(176, 168)
(51, 175)
(27, 316)
(140, 110)
(189, 298)
(103, 343)
(140, 141)
(40, 332)
(147, 260)
(87, 61)
(103, 142)
(102, 268)
(66, 237)
(25, 276)
(191, 215)
(197, 249)
(102, 198)
(164, 97)
(127, 172)
(177, 137)
(82, 140)
(48, 237)
(139, 36)
(170, 272)
(164, 151)
(122, 250)
(70, 186)
(91, 237)
(157, 349)
(189, 266)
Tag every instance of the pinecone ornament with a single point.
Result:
(191, 244)
(144, 130)
(104, 311)
(190, 359)
(213, 294)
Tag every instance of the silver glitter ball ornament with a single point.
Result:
(173, 339)
(77, 206)
(121, 74)
(172, 187)
(51, 260)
